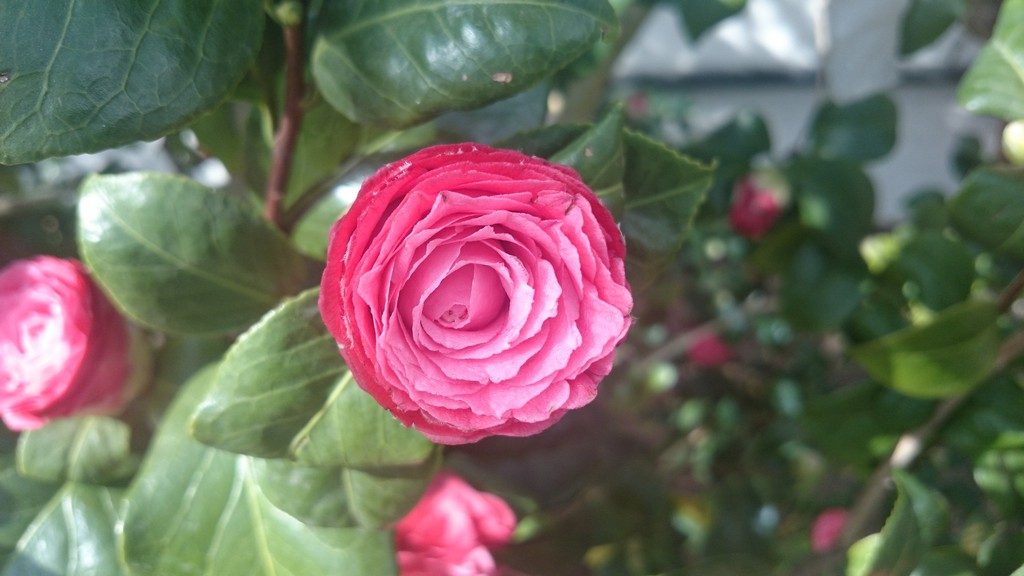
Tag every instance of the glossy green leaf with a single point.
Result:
(500, 120)
(699, 16)
(945, 356)
(21, 499)
(547, 141)
(83, 76)
(995, 83)
(989, 209)
(837, 200)
(819, 293)
(72, 536)
(87, 449)
(859, 131)
(194, 510)
(664, 190)
(599, 156)
(283, 390)
(990, 412)
(926, 20)
(352, 430)
(917, 520)
(180, 257)
(399, 62)
(733, 146)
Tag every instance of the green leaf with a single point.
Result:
(399, 62)
(837, 200)
(664, 189)
(72, 536)
(88, 449)
(500, 120)
(859, 131)
(873, 419)
(733, 146)
(380, 501)
(84, 76)
(995, 82)
(1003, 551)
(326, 139)
(283, 390)
(179, 257)
(990, 412)
(819, 293)
(701, 15)
(945, 356)
(935, 270)
(916, 521)
(598, 155)
(21, 499)
(197, 510)
(990, 209)
(926, 20)
(945, 562)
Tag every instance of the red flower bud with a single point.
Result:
(755, 207)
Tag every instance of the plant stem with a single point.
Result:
(291, 122)
(1012, 291)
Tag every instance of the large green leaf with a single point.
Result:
(995, 83)
(88, 449)
(21, 499)
(734, 145)
(72, 536)
(180, 257)
(990, 209)
(326, 139)
(945, 356)
(917, 519)
(859, 131)
(398, 62)
(198, 510)
(283, 390)
(82, 76)
(926, 20)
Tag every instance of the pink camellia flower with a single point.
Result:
(755, 207)
(452, 530)
(476, 292)
(64, 349)
(709, 351)
(828, 526)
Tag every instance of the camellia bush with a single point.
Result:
(367, 306)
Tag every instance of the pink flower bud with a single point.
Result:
(709, 351)
(452, 530)
(64, 349)
(827, 528)
(755, 207)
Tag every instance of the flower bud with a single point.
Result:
(757, 203)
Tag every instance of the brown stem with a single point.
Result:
(291, 122)
(1011, 292)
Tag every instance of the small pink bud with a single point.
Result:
(709, 351)
(756, 205)
(827, 528)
